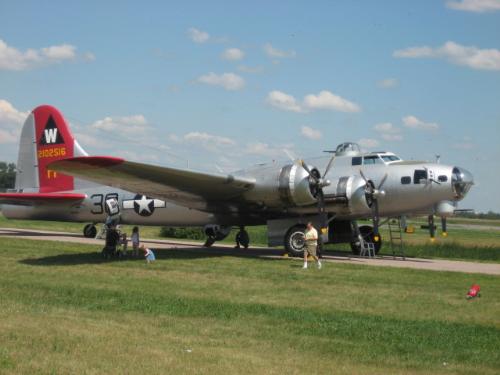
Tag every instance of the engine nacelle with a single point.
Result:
(350, 190)
(445, 209)
(294, 186)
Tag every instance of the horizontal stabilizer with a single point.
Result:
(32, 199)
(190, 188)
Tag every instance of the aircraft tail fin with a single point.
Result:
(45, 137)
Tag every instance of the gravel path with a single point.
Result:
(261, 252)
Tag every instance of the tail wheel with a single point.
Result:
(368, 235)
(295, 240)
(89, 231)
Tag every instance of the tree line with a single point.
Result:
(7, 175)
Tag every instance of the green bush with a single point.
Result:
(185, 233)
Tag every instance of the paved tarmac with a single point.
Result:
(268, 253)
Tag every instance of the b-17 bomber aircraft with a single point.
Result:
(57, 180)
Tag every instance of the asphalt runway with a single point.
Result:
(267, 253)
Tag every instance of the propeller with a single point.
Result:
(317, 183)
(372, 194)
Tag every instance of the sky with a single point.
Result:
(218, 86)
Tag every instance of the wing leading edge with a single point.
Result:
(189, 188)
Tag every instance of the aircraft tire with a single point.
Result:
(294, 240)
(89, 231)
(367, 233)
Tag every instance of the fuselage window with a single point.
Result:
(389, 158)
(420, 176)
(372, 160)
(356, 160)
(405, 180)
(442, 178)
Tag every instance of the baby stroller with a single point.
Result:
(112, 238)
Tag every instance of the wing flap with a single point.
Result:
(187, 187)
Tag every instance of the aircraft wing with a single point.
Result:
(33, 199)
(189, 188)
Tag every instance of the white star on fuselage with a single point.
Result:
(144, 204)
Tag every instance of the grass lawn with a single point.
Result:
(63, 310)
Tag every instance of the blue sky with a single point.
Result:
(223, 85)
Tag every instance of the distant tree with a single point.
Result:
(7, 175)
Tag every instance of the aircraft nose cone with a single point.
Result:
(461, 181)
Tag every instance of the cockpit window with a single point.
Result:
(389, 158)
(372, 160)
(420, 176)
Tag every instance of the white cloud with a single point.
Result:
(388, 83)
(469, 56)
(368, 143)
(250, 69)
(11, 120)
(477, 6)
(324, 100)
(13, 59)
(233, 54)
(415, 123)
(62, 52)
(310, 133)
(10, 116)
(263, 149)
(386, 127)
(198, 36)
(128, 125)
(391, 137)
(285, 102)
(89, 56)
(328, 100)
(276, 53)
(229, 81)
(9, 136)
(208, 138)
(388, 131)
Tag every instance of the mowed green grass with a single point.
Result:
(64, 310)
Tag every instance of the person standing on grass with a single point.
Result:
(135, 241)
(311, 237)
(148, 253)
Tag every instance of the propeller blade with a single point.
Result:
(330, 163)
(382, 182)
(304, 165)
(363, 176)
(323, 217)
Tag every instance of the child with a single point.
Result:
(148, 253)
(135, 241)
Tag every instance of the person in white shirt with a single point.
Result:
(311, 237)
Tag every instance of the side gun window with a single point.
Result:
(420, 176)
(405, 180)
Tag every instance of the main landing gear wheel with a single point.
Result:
(89, 231)
(295, 240)
(368, 235)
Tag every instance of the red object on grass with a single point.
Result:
(474, 291)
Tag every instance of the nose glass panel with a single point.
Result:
(461, 182)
